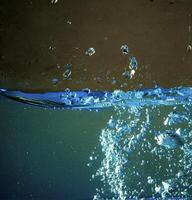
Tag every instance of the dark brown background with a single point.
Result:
(36, 38)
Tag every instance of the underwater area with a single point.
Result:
(133, 145)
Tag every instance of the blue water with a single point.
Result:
(139, 145)
(87, 99)
(147, 146)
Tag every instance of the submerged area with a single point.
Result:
(139, 146)
(147, 151)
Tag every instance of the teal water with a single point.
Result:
(44, 153)
(132, 150)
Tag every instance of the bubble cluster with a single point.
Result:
(146, 146)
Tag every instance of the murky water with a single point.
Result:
(44, 155)
(138, 148)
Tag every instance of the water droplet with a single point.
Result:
(125, 49)
(133, 63)
(69, 22)
(90, 51)
(55, 81)
(54, 1)
(67, 73)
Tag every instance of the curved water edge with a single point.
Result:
(87, 99)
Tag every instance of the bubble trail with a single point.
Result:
(135, 164)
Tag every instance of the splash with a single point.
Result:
(146, 146)
(87, 99)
